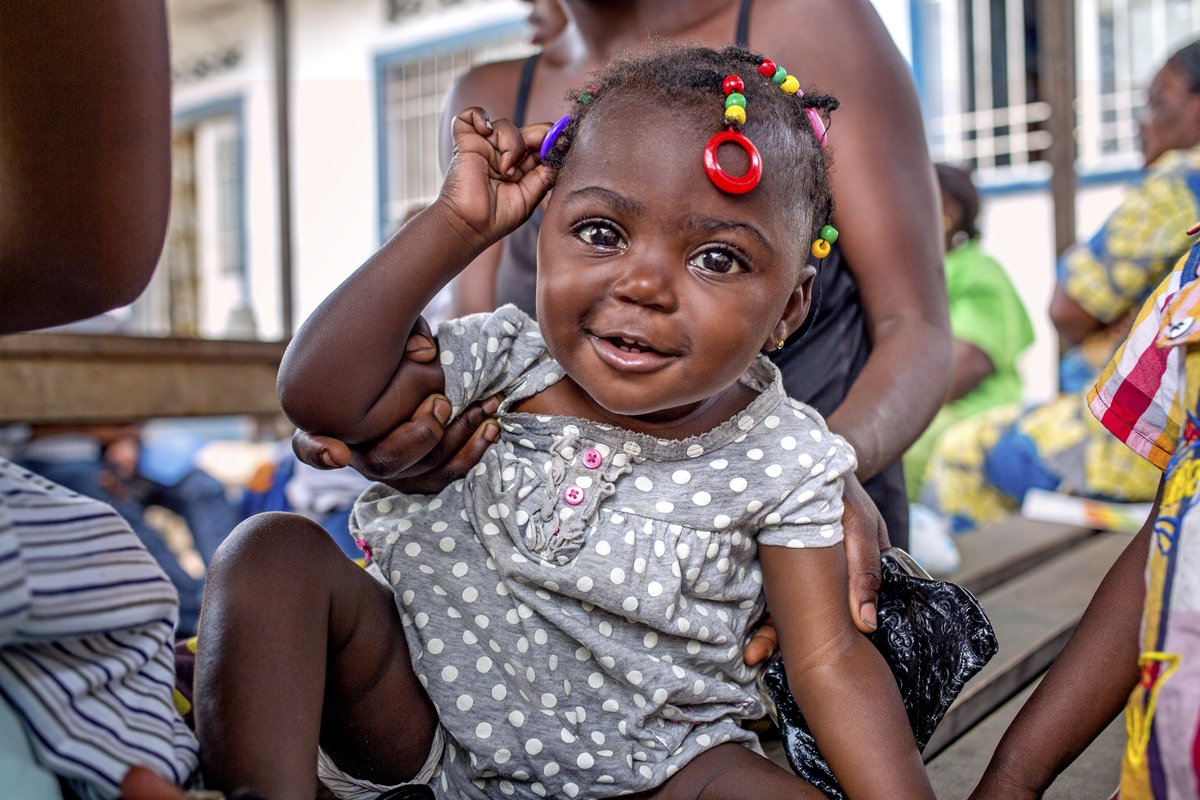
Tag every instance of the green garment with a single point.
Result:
(986, 311)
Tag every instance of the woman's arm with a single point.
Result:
(888, 213)
(345, 375)
(840, 681)
(1084, 690)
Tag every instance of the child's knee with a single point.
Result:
(273, 539)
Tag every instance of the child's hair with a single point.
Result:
(690, 78)
(957, 185)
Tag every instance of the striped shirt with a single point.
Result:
(1138, 396)
(87, 622)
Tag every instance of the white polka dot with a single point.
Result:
(634, 677)
(773, 518)
(702, 498)
(483, 730)
(654, 588)
(412, 549)
(754, 454)
(549, 700)
(499, 692)
(449, 673)
(435, 646)
(745, 422)
(516, 718)
(603, 548)
(605, 628)
(470, 594)
(643, 483)
(720, 463)
(465, 702)
(815, 434)
(721, 521)
(447, 357)
(817, 469)
(533, 746)
(664, 507)
(774, 471)
(481, 621)
(446, 544)
(483, 664)
(753, 506)
(681, 476)
(460, 569)
(771, 422)
(502, 755)
(639, 565)
(421, 619)
(630, 604)
(570, 789)
(611, 706)
(695, 451)
(584, 584)
(617, 576)
(738, 484)
(585, 761)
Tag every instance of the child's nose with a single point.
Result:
(646, 280)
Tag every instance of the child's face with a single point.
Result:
(656, 290)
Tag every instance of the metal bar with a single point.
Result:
(283, 162)
(1056, 46)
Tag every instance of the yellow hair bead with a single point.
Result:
(735, 114)
(820, 248)
(790, 84)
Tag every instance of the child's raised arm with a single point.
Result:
(344, 374)
(841, 683)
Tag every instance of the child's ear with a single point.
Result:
(796, 309)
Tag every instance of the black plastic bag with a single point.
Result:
(934, 636)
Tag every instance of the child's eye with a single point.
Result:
(600, 234)
(722, 262)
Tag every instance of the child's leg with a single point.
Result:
(733, 772)
(298, 644)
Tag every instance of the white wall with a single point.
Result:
(1018, 231)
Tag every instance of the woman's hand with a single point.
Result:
(494, 181)
(423, 454)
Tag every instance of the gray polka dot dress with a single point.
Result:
(575, 607)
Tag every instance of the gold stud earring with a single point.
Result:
(779, 343)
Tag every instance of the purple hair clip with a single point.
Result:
(552, 136)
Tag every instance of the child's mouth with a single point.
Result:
(628, 353)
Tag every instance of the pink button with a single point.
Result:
(573, 495)
(592, 458)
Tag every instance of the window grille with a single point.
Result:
(414, 93)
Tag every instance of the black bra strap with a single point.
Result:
(742, 35)
(527, 68)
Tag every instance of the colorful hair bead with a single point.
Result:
(824, 242)
(766, 68)
(735, 115)
(790, 84)
(733, 83)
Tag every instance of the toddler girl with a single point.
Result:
(572, 611)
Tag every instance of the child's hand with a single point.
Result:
(495, 180)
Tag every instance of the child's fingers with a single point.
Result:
(511, 146)
(472, 119)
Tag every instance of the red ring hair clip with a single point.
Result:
(733, 184)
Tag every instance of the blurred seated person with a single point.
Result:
(991, 329)
(982, 468)
(109, 463)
